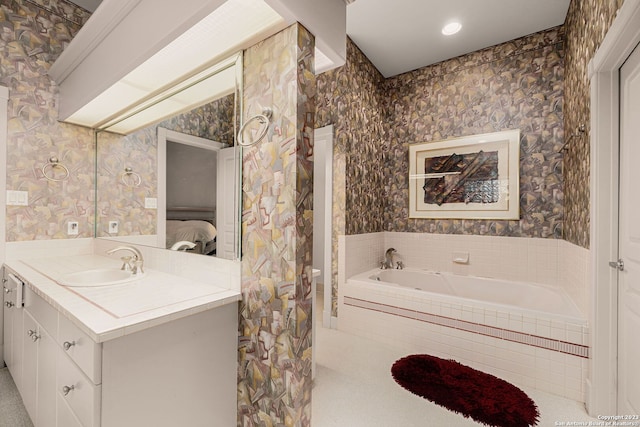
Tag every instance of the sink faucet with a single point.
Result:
(388, 259)
(137, 259)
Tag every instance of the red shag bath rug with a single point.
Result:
(459, 388)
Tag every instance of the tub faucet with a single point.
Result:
(137, 259)
(388, 259)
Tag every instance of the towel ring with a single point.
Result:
(136, 180)
(264, 119)
(54, 163)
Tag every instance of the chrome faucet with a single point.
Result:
(388, 259)
(137, 259)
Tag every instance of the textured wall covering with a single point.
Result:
(514, 85)
(32, 36)
(352, 98)
(139, 150)
(274, 372)
(587, 24)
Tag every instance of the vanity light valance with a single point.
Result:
(130, 54)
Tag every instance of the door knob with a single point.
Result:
(618, 265)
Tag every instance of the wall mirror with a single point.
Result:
(168, 172)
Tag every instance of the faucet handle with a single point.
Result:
(399, 265)
(126, 263)
(137, 266)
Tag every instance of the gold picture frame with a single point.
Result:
(472, 177)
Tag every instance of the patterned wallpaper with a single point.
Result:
(514, 85)
(274, 350)
(125, 203)
(33, 35)
(587, 24)
(351, 98)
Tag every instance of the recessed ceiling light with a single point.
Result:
(451, 28)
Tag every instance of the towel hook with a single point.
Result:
(135, 180)
(54, 163)
(264, 119)
(580, 130)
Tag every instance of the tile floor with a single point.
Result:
(354, 388)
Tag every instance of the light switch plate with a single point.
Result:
(150, 203)
(17, 198)
(113, 227)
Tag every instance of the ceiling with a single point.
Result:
(403, 35)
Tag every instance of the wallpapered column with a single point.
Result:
(34, 33)
(587, 23)
(274, 370)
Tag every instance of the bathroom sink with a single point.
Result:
(98, 277)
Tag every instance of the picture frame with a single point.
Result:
(472, 177)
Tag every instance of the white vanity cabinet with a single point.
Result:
(13, 331)
(178, 372)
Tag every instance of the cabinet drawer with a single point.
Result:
(42, 311)
(82, 349)
(82, 396)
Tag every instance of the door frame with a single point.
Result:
(166, 135)
(621, 39)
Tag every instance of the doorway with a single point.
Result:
(604, 73)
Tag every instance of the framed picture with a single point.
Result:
(473, 177)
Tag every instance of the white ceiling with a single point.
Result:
(403, 35)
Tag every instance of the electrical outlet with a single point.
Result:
(72, 228)
(113, 227)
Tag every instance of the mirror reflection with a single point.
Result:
(173, 183)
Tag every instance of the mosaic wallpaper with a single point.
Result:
(274, 351)
(587, 24)
(351, 98)
(125, 203)
(515, 85)
(32, 36)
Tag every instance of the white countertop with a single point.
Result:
(108, 312)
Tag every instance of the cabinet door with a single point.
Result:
(46, 384)
(65, 416)
(30, 364)
(7, 314)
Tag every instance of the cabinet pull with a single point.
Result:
(7, 290)
(34, 336)
(9, 304)
(67, 345)
(66, 389)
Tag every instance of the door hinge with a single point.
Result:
(618, 265)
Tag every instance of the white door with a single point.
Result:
(629, 277)
(226, 204)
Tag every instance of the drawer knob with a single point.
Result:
(7, 290)
(9, 304)
(67, 345)
(30, 332)
(66, 389)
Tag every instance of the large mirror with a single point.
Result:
(168, 173)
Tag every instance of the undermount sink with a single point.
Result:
(98, 277)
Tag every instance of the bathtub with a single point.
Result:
(533, 335)
(521, 297)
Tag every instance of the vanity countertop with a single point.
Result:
(108, 312)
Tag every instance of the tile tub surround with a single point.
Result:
(540, 351)
(545, 261)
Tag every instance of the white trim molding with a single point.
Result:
(621, 39)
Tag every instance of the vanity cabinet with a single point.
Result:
(178, 372)
(12, 325)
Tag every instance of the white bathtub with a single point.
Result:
(522, 297)
(531, 334)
